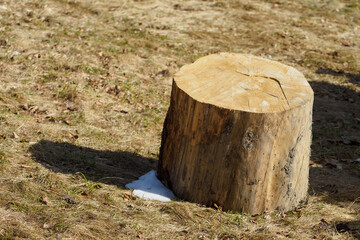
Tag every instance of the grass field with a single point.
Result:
(84, 89)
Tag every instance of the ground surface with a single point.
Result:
(84, 89)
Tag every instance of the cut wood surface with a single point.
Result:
(238, 134)
(244, 82)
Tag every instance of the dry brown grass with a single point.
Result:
(84, 89)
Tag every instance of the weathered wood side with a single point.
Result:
(244, 161)
(238, 134)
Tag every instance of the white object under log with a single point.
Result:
(149, 187)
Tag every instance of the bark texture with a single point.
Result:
(249, 153)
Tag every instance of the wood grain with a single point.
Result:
(238, 134)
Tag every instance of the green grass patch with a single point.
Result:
(66, 91)
(19, 207)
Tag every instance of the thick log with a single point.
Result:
(238, 134)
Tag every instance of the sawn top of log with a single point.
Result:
(244, 82)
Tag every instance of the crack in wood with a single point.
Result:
(271, 78)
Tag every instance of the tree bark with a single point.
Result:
(238, 134)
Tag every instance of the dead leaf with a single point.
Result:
(15, 135)
(50, 118)
(164, 73)
(33, 109)
(325, 225)
(199, 215)
(84, 194)
(24, 107)
(347, 43)
(71, 106)
(72, 136)
(68, 199)
(128, 196)
(47, 226)
(219, 208)
(112, 89)
(46, 201)
(67, 122)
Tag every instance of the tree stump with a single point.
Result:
(237, 134)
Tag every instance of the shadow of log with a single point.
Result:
(353, 78)
(352, 227)
(118, 167)
(334, 172)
